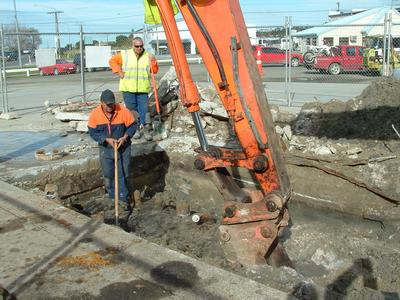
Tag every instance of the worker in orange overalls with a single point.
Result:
(133, 67)
(110, 124)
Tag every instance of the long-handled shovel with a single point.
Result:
(116, 191)
(157, 118)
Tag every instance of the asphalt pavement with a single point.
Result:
(306, 85)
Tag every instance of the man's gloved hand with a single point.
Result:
(111, 141)
(122, 140)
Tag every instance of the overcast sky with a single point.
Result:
(123, 15)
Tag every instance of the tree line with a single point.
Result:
(27, 42)
(30, 39)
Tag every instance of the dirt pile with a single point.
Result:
(369, 116)
(382, 92)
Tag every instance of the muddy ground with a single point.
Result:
(343, 161)
(336, 255)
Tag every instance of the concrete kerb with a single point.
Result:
(60, 232)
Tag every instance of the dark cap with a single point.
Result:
(107, 97)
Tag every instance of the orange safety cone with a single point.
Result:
(259, 62)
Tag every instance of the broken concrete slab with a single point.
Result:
(354, 151)
(322, 150)
(71, 116)
(73, 124)
(9, 116)
(279, 130)
(82, 126)
(287, 132)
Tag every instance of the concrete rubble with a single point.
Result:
(76, 114)
(9, 116)
(71, 116)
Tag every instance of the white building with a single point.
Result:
(351, 30)
(252, 30)
(340, 14)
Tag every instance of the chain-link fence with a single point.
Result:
(328, 61)
(332, 60)
(45, 57)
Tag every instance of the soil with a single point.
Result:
(343, 239)
(369, 116)
(334, 255)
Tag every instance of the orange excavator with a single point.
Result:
(251, 218)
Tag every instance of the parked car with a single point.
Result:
(30, 52)
(342, 58)
(273, 55)
(61, 66)
(11, 55)
(77, 62)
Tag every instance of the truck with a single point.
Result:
(374, 56)
(45, 57)
(95, 58)
(341, 58)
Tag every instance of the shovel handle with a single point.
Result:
(116, 192)
(154, 84)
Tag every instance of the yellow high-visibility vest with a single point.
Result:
(137, 72)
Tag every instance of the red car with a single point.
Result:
(341, 58)
(272, 55)
(61, 66)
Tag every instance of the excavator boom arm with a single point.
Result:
(251, 220)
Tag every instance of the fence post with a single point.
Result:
(157, 43)
(385, 28)
(286, 61)
(289, 44)
(81, 45)
(1, 82)
(3, 73)
(386, 45)
(259, 62)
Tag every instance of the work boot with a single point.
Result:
(123, 206)
(147, 134)
(138, 133)
(124, 210)
(97, 205)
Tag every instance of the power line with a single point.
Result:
(285, 11)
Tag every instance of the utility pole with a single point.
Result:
(17, 32)
(58, 46)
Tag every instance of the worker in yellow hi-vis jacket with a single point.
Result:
(133, 67)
